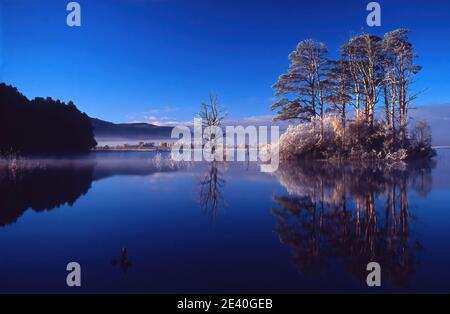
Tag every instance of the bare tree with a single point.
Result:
(211, 113)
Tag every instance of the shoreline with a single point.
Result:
(117, 150)
(440, 147)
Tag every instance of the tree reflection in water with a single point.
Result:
(211, 186)
(357, 213)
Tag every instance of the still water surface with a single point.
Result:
(139, 223)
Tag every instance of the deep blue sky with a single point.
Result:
(133, 59)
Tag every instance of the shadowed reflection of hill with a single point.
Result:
(47, 184)
(41, 186)
(354, 213)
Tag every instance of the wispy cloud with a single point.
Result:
(164, 109)
(157, 116)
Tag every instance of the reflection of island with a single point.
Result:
(47, 184)
(211, 186)
(356, 213)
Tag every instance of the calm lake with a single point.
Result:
(136, 222)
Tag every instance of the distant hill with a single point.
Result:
(141, 131)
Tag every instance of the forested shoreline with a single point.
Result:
(41, 125)
(355, 107)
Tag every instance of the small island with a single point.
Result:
(355, 107)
